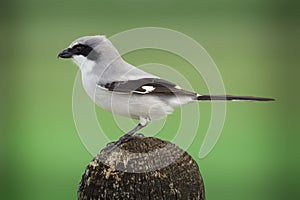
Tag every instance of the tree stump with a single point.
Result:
(142, 168)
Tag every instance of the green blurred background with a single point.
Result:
(255, 45)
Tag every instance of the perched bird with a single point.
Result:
(121, 88)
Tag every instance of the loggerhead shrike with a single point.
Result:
(119, 87)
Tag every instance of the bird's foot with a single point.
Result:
(122, 139)
(110, 144)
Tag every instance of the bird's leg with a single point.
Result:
(129, 134)
(142, 124)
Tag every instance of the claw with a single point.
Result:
(110, 144)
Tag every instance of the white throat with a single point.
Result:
(83, 63)
(88, 74)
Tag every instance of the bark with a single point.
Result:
(142, 168)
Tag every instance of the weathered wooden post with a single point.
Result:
(142, 168)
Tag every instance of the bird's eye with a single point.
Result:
(79, 48)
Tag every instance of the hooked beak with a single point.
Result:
(66, 53)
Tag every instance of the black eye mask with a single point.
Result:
(81, 49)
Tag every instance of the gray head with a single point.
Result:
(90, 48)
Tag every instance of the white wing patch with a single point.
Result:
(147, 89)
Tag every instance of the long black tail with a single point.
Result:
(231, 98)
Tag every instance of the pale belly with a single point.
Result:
(132, 106)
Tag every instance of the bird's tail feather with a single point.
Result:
(230, 98)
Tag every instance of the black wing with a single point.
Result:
(145, 86)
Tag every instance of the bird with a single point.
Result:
(121, 88)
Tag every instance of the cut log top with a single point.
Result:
(142, 168)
